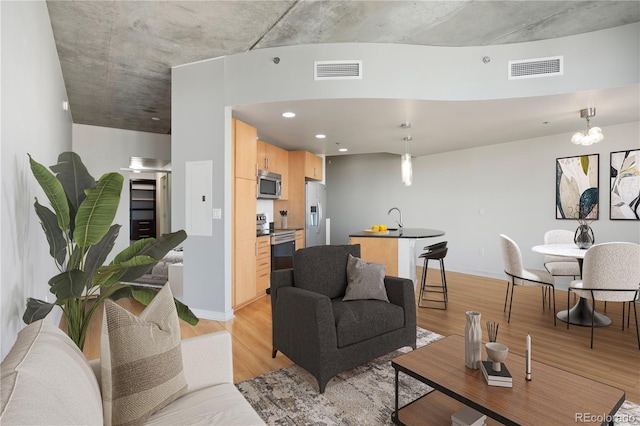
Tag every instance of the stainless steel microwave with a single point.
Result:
(269, 185)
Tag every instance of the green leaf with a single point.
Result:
(98, 253)
(75, 258)
(124, 292)
(54, 192)
(55, 236)
(145, 296)
(156, 249)
(185, 314)
(132, 250)
(584, 163)
(36, 310)
(74, 177)
(161, 246)
(68, 285)
(107, 275)
(97, 211)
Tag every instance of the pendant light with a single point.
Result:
(592, 134)
(406, 168)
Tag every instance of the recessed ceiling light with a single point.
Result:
(155, 118)
(343, 150)
(288, 114)
(320, 136)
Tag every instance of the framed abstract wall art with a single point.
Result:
(624, 198)
(577, 187)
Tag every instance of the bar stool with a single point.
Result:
(436, 251)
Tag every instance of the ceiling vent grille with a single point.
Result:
(532, 68)
(337, 70)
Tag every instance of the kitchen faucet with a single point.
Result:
(395, 208)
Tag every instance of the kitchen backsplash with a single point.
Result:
(266, 207)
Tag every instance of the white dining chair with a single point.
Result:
(559, 266)
(518, 275)
(610, 273)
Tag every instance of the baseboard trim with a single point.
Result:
(214, 315)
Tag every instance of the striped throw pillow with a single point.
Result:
(141, 360)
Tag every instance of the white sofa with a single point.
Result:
(46, 380)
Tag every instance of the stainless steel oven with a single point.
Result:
(283, 245)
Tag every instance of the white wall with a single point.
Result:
(202, 93)
(200, 126)
(105, 149)
(474, 195)
(32, 122)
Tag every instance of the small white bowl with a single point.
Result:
(497, 352)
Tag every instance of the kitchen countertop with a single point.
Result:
(402, 233)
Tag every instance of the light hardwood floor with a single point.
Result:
(615, 358)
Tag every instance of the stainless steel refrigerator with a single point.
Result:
(315, 210)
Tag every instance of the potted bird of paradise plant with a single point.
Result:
(80, 233)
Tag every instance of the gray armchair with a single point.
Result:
(325, 335)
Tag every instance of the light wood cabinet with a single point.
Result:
(282, 159)
(245, 139)
(313, 166)
(267, 157)
(379, 250)
(298, 170)
(244, 253)
(244, 280)
(261, 155)
(263, 265)
(299, 239)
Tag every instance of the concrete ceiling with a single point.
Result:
(116, 58)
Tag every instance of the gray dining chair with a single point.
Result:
(519, 276)
(610, 273)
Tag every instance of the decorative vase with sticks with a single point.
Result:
(492, 330)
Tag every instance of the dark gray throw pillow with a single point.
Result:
(365, 280)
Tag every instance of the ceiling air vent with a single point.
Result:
(337, 70)
(532, 68)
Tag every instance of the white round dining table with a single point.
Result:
(581, 312)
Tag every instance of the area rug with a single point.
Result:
(362, 396)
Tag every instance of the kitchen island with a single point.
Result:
(395, 248)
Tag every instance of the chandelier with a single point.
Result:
(592, 134)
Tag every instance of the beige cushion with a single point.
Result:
(46, 380)
(222, 404)
(141, 360)
(365, 280)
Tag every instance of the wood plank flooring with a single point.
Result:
(615, 358)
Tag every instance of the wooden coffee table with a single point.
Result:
(553, 396)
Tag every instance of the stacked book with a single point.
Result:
(467, 416)
(496, 378)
